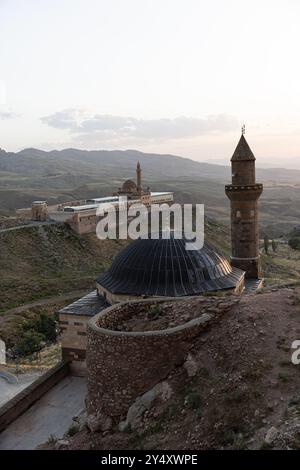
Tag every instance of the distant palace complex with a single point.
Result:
(82, 217)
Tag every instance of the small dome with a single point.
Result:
(163, 267)
(129, 186)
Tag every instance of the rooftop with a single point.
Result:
(242, 152)
(89, 305)
(163, 267)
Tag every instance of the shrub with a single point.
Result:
(43, 324)
(74, 429)
(52, 439)
(193, 401)
(154, 312)
(294, 243)
(30, 343)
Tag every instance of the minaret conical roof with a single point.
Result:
(242, 152)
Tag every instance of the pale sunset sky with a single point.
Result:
(167, 76)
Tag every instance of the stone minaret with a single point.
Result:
(243, 194)
(138, 177)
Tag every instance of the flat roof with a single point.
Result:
(160, 193)
(81, 208)
(99, 200)
(103, 199)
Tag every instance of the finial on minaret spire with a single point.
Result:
(243, 129)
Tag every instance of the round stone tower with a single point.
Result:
(244, 193)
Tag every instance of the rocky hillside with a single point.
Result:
(236, 389)
(48, 260)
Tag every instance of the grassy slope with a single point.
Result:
(38, 262)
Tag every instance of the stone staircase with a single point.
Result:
(252, 285)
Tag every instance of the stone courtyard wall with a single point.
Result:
(29, 395)
(123, 365)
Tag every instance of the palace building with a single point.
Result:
(82, 216)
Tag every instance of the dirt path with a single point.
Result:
(47, 301)
(33, 224)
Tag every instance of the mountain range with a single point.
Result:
(100, 162)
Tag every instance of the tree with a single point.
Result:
(266, 244)
(294, 243)
(274, 246)
(46, 325)
(43, 324)
(31, 342)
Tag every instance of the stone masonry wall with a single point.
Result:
(73, 336)
(29, 395)
(123, 365)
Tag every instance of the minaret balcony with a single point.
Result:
(249, 192)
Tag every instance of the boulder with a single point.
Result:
(143, 403)
(191, 366)
(61, 443)
(271, 435)
(99, 422)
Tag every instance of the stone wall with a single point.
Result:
(23, 400)
(123, 365)
(115, 298)
(73, 336)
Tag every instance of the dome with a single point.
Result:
(163, 267)
(129, 186)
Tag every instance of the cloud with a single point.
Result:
(6, 115)
(108, 127)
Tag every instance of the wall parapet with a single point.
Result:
(29, 395)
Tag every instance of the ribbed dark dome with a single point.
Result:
(164, 267)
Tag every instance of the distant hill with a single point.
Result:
(118, 162)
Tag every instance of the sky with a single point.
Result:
(165, 76)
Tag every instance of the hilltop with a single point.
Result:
(88, 162)
(238, 388)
